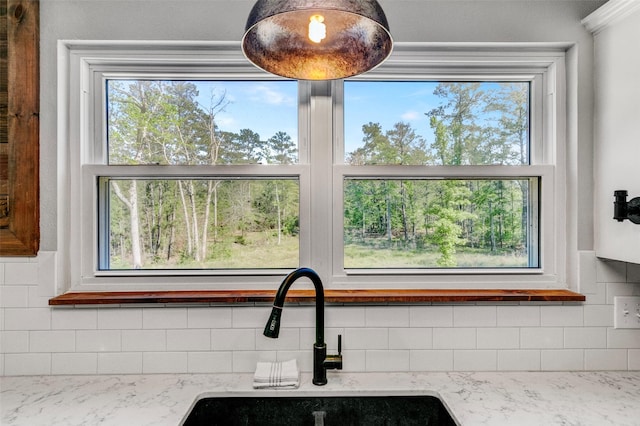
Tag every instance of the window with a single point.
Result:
(192, 169)
(439, 222)
(196, 221)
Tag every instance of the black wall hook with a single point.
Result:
(626, 210)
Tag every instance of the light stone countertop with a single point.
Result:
(531, 398)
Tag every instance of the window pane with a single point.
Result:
(436, 123)
(202, 122)
(199, 224)
(439, 223)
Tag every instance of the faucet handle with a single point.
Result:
(334, 362)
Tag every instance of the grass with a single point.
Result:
(260, 250)
(257, 250)
(363, 256)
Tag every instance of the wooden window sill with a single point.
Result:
(306, 296)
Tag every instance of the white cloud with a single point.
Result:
(267, 95)
(411, 116)
(224, 121)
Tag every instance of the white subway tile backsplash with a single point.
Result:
(210, 362)
(14, 296)
(621, 289)
(27, 319)
(587, 272)
(599, 297)
(387, 316)
(21, 273)
(52, 341)
(454, 338)
(634, 359)
(74, 319)
(250, 317)
(38, 339)
(246, 361)
(27, 364)
(621, 338)
(119, 319)
(498, 338)
(366, 338)
(120, 363)
(633, 273)
(144, 340)
(14, 341)
(585, 337)
(562, 359)
(236, 339)
(47, 268)
(431, 360)
(410, 338)
(208, 317)
(519, 360)
(598, 315)
(474, 316)
(475, 360)
(541, 338)
(562, 316)
(98, 341)
(294, 316)
(163, 318)
(354, 360)
(605, 359)
(611, 271)
(188, 340)
(387, 360)
(431, 316)
(304, 358)
(518, 316)
(36, 299)
(289, 339)
(308, 337)
(344, 316)
(164, 362)
(74, 363)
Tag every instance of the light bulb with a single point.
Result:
(317, 30)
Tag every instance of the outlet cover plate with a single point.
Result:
(626, 311)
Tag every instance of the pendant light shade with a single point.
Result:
(317, 39)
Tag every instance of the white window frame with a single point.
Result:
(84, 65)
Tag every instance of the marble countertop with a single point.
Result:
(532, 398)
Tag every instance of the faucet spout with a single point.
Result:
(272, 328)
(273, 325)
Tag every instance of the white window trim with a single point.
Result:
(79, 60)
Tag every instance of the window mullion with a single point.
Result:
(321, 193)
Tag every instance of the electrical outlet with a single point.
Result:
(626, 312)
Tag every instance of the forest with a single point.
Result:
(253, 223)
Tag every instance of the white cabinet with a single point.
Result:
(616, 29)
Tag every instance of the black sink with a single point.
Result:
(320, 410)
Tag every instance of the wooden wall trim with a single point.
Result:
(307, 296)
(20, 127)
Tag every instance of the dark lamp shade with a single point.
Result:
(277, 38)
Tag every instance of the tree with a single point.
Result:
(132, 115)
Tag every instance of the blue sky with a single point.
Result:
(270, 106)
(387, 103)
(266, 107)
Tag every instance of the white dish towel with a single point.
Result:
(277, 375)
